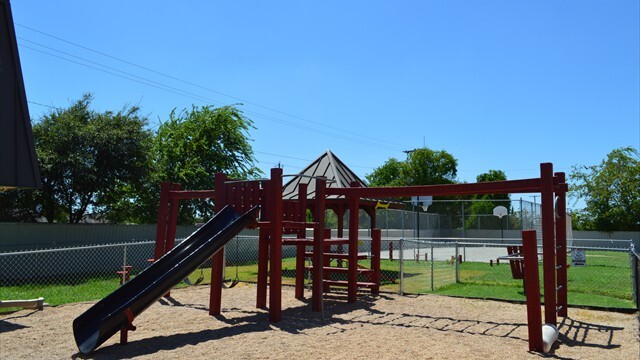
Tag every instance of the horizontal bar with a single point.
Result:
(346, 283)
(513, 257)
(191, 194)
(244, 181)
(495, 187)
(77, 248)
(310, 177)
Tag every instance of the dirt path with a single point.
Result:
(387, 326)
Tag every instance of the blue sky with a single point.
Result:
(500, 85)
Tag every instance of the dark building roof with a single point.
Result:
(328, 165)
(18, 162)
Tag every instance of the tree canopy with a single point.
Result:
(88, 160)
(195, 144)
(485, 203)
(611, 191)
(109, 165)
(422, 167)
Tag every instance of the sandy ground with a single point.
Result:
(386, 326)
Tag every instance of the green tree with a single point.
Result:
(485, 203)
(195, 144)
(429, 167)
(611, 191)
(88, 162)
(422, 167)
(389, 174)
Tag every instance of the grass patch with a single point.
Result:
(94, 288)
(605, 281)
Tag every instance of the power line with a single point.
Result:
(109, 72)
(111, 68)
(168, 88)
(39, 104)
(204, 87)
(308, 160)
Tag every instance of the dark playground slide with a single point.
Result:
(117, 310)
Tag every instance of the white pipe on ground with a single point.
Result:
(549, 336)
(37, 304)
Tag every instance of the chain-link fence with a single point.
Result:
(445, 216)
(452, 266)
(634, 255)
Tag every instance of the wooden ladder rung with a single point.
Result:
(341, 270)
(307, 242)
(339, 256)
(345, 283)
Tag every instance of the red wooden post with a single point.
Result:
(275, 263)
(376, 238)
(124, 332)
(161, 226)
(561, 246)
(532, 290)
(300, 249)
(266, 213)
(318, 242)
(352, 270)
(548, 243)
(217, 260)
(263, 267)
(372, 217)
(174, 207)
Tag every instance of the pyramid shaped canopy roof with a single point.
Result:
(328, 165)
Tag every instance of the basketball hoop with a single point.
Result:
(500, 211)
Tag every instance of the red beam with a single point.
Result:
(191, 194)
(217, 260)
(318, 242)
(266, 213)
(161, 225)
(561, 243)
(532, 289)
(548, 243)
(300, 249)
(263, 266)
(275, 261)
(376, 237)
(495, 187)
(174, 207)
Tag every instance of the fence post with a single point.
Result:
(401, 265)
(457, 265)
(124, 260)
(634, 275)
(432, 285)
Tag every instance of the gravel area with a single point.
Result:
(387, 326)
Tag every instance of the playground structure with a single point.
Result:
(278, 217)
